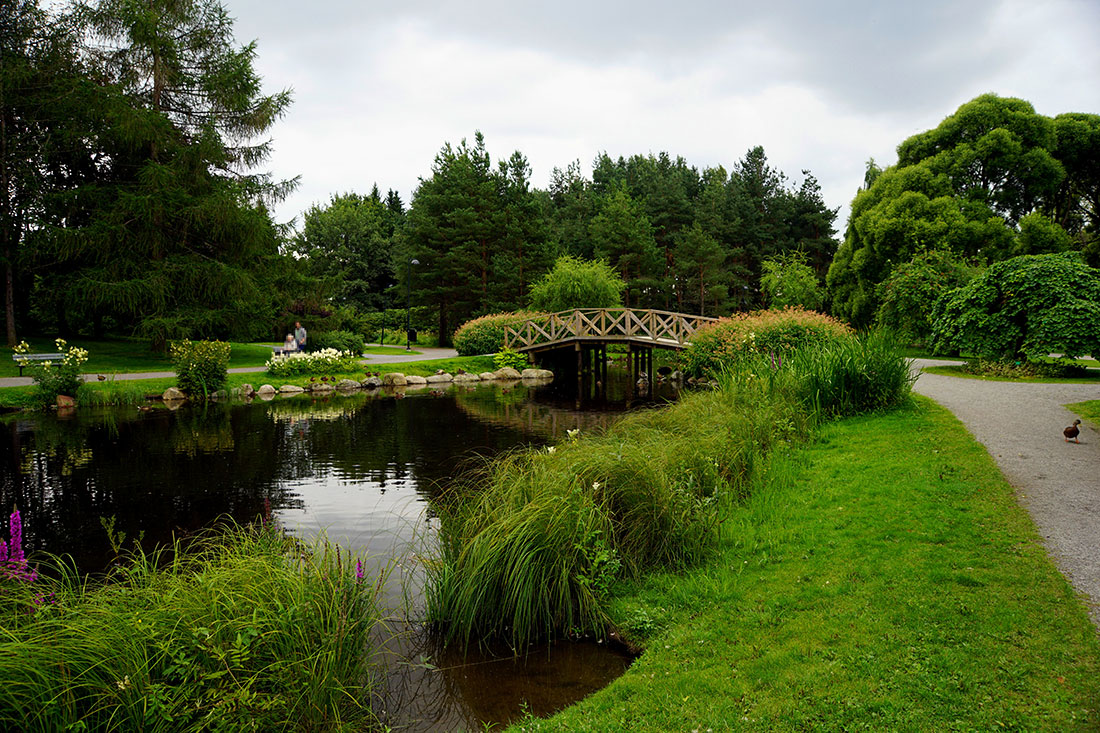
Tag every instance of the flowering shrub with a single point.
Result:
(60, 378)
(201, 366)
(485, 335)
(325, 361)
(777, 332)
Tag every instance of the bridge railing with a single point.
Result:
(661, 328)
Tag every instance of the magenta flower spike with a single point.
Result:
(16, 548)
(358, 571)
(3, 551)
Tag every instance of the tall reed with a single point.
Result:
(243, 630)
(532, 546)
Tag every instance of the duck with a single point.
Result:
(101, 377)
(1072, 432)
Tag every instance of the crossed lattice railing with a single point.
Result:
(660, 328)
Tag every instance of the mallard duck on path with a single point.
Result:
(1072, 432)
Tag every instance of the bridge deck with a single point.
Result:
(656, 328)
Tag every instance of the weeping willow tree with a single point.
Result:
(172, 236)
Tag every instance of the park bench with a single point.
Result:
(20, 358)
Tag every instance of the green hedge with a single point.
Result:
(339, 340)
(485, 335)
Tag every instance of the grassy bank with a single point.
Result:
(531, 548)
(1089, 410)
(882, 578)
(244, 630)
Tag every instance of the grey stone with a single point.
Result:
(371, 383)
(507, 373)
(173, 394)
(290, 389)
(415, 381)
(487, 376)
(320, 387)
(246, 390)
(347, 385)
(440, 378)
(467, 377)
(266, 389)
(536, 374)
(394, 379)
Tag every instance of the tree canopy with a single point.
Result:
(577, 283)
(986, 184)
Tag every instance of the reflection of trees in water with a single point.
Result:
(430, 687)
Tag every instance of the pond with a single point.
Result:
(361, 468)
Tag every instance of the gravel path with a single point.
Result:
(1057, 482)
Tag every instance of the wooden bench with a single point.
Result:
(19, 358)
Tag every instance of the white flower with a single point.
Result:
(595, 485)
(550, 449)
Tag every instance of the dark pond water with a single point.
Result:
(361, 468)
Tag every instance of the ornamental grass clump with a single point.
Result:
(717, 346)
(202, 367)
(54, 378)
(244, 629)
(485, 335)
(325, 361)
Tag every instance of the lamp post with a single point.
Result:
(408, 302)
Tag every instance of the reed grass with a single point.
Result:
(243, 629)
(531, 547)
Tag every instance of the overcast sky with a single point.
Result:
(379, 87)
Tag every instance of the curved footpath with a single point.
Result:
(422, 354)
(1057, 482)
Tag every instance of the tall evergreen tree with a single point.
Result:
(174, 237)
(622, 235)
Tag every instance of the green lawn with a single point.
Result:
(126, 356)
(885, 580)
(1089, 410)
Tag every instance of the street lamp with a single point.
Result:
(408, 303)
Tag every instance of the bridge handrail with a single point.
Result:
(656, 326)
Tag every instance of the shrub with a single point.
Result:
(719, 345)
(327, 361)
(339, 340)
(577, 283)
(485, 335)
(201, 366)
(53, 379)
(506, 358)
(1023, 309)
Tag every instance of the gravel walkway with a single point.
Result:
(1057, 482)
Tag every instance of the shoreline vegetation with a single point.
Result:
(781, 569)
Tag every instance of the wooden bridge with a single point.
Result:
(587, 332)
(605, 325)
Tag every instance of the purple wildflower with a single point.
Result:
(358, 571)
(3, 551)
(16, 549)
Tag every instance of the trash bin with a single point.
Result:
(412, 335)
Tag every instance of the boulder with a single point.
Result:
(394, 379)
(347, 385)
(487, 376)
(467, 377)
(320, 387)
(65, 401)
(266, 389)
(507, 373)
(440, 378)
(371, 383)
(536, 374)
(414, 381)
(290, 389)
(246, 390)
(173, 394)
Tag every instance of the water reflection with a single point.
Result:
(362, 468)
